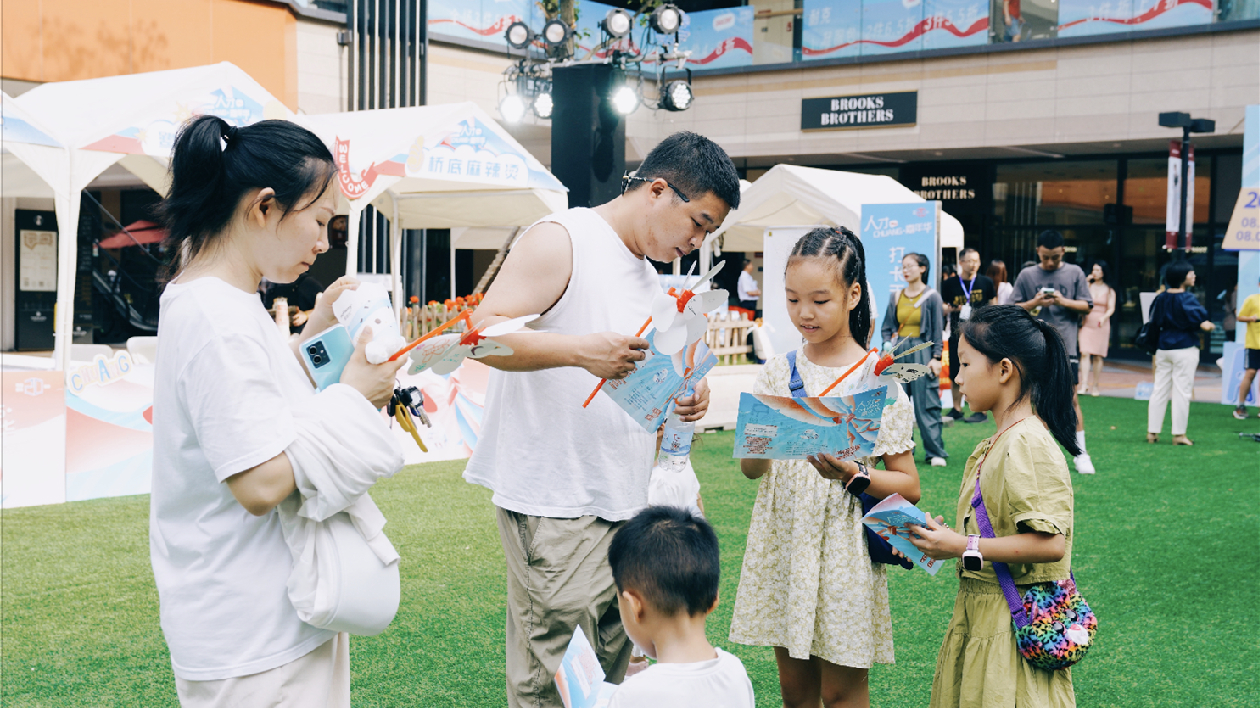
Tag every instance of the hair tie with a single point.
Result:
(230, 134)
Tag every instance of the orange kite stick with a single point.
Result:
(851, 370)
(463, 316)
(603, 381)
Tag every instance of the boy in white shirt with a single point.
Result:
(665, 564)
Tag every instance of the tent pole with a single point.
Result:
(67, 208)
(453, 288)
(352, 239)
(395, 261)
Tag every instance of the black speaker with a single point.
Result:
(588, 138)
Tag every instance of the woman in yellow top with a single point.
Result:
(914, 316)
(1249, 314)
(1016, 366)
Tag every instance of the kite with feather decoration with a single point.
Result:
(889, 368)
(443, 354)
(681, 318)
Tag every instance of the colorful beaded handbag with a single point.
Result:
(1052, 623)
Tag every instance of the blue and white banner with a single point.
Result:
(832, 28)
(718, 38)
(955, 23)
(1079, 18)
(889, 233)
(480, 20)
(890, 26)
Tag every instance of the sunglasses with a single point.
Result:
(627, 178)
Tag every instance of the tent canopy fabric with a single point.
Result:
(131, 120)
(17, 125)
(442, 166)
(140, 114)
(791, 195)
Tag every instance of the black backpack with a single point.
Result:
(1147, 338)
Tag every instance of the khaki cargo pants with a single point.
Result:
(558, 577)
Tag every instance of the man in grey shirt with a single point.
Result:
(1058, 293)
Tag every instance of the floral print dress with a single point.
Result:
(808, 583)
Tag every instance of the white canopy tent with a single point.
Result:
(434, 167)
(131, 120)
(18, 126)
(794, 196)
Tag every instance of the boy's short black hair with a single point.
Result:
(669, 556)
(692, 163)
(1050, 239)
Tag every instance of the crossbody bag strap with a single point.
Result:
(795, 384)
(1013, 599)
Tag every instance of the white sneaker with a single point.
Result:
(1084, 465)
(937, 462)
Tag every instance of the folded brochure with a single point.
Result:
(891, 519)
(580, 679)
(787, 428)
(657, 380)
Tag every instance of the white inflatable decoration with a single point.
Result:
(369, 305)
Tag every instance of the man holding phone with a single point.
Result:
(1058, 293)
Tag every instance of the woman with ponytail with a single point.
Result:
(244, 204)
(808, 586)
(1016, 366)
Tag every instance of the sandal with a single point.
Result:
(1152, 437)
(1182, 440)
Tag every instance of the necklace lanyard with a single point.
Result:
(967, 288)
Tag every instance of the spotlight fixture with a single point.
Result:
(543, 105)
(666, 19)
(555, 32)
(617, 23)
(676, 96)
(512, 108)
(518, 35)
(625, 100)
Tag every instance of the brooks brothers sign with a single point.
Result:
(872, 110)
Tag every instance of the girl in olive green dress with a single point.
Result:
(1017, 367)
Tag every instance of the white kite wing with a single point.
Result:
(513, 325)
(905, 373)
(703, 303)
(430, 352)
(664, 311)
(489, 347)
(708, 276)
(451, 360)
(670, 341)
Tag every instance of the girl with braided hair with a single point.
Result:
(808, 586)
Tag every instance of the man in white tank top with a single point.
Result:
(565, 477)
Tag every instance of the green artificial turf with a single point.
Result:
(1165, 552)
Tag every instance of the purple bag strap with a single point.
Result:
(1013, 599)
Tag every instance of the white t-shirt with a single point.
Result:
(747, 284)
(224, 386)
(717, 682)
